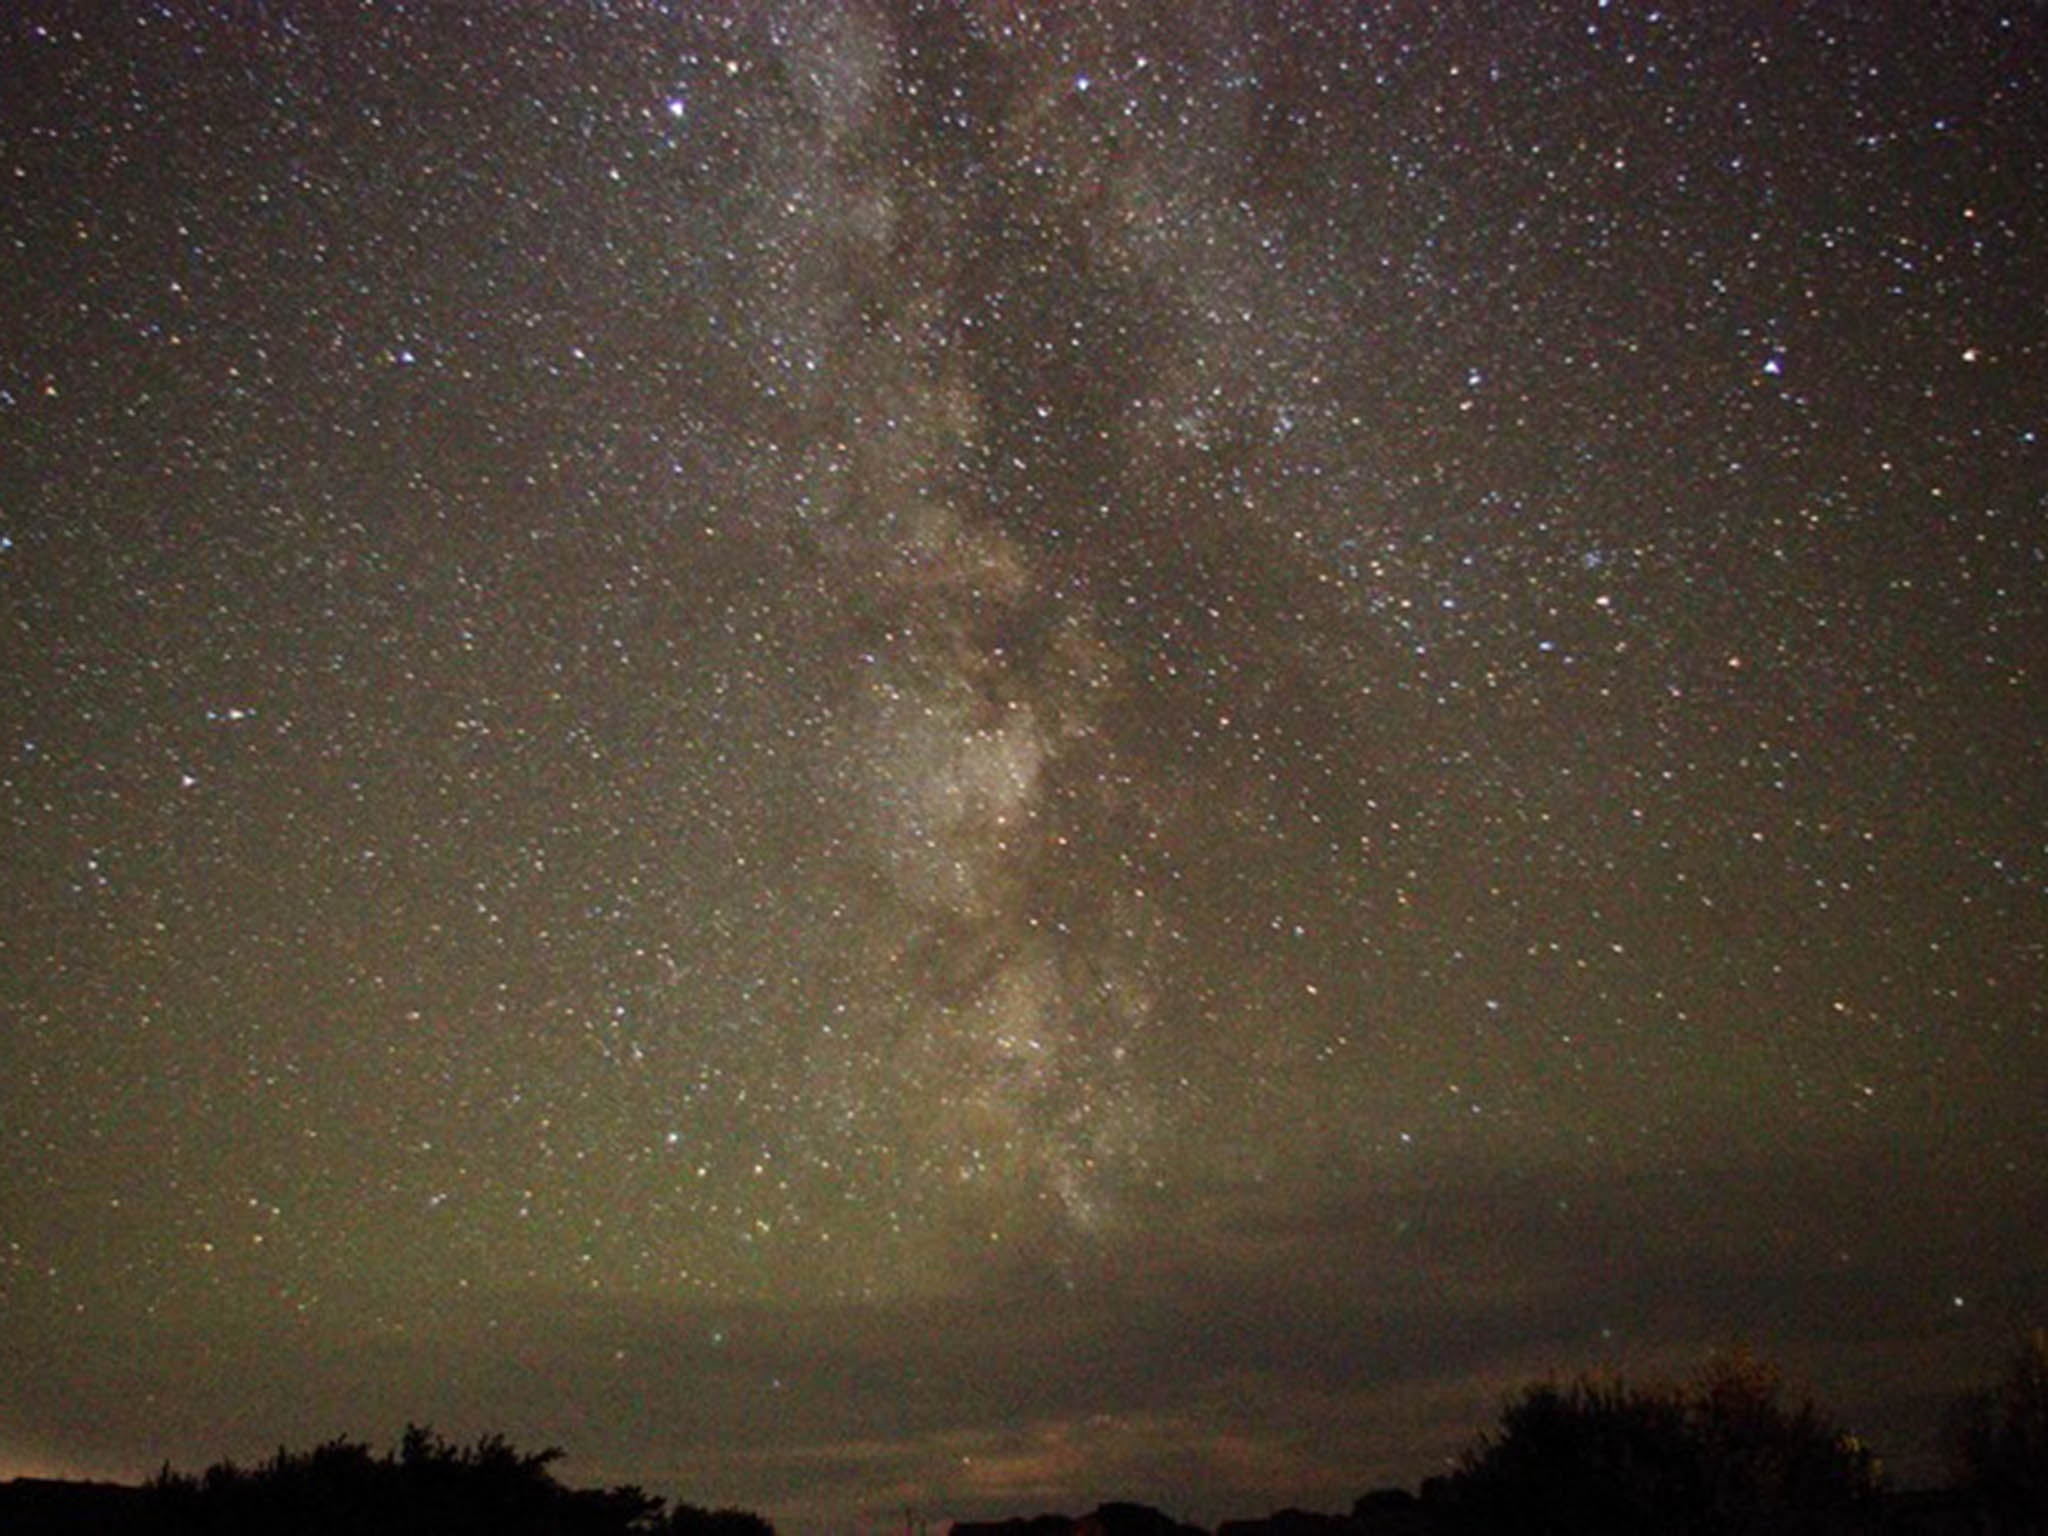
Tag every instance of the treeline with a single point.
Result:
(425, 1487)
(1729, 1454)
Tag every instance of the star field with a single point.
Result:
(983, 755)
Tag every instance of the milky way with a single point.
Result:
(982, 755)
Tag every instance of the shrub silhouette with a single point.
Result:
(1722, 1457)
(689, 1520)
(427, 1488)
(2001, 1442)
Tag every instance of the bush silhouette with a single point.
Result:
(427, 1488)
(1722, 1457)
(2001, 1442)
(689, 1520)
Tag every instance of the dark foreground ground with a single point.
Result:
(49, 1507)
(1397, 1512)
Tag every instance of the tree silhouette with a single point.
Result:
(428, 1487)
(1723, 1457)
(2001, 1441)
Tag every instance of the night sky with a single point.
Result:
(985, 755)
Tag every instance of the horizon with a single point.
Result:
(1918, 1462)
(1792, 1396)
